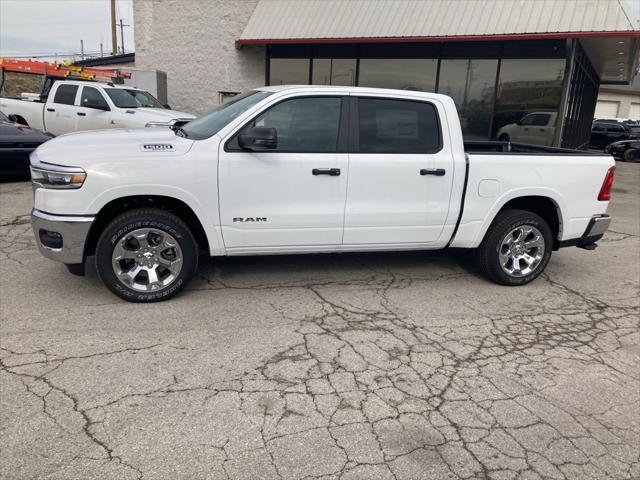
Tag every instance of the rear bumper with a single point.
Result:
(61, 238)
(596, 229)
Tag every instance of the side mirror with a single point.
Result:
(96, 106)
(259, 139)
(167, 106)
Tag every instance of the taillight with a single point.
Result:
(605, 190)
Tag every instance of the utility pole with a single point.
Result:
(114, 38)
(82, 49)
(122, 35)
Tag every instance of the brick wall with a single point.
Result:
(193, 41)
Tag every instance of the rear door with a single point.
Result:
(400, 173)
(93, 112)
(292, 197)
(60, 113)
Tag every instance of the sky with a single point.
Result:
(55, 27)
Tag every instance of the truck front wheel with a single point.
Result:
(146, 255)
(516, 249)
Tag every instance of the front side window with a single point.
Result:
(92, 98)
(66, 94)
(309, 124)
(397, 126)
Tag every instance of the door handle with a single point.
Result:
(438, 172)
(51, 109)
(81, 114)
(334, 172)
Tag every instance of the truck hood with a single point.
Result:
(158, 114)
(83, 148)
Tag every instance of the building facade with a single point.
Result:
(619, 101)
(517, 70)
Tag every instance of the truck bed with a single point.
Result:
(493, 147)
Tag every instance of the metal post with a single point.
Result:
(563, 108)
(114, 38)
(82, 49)
(122, 36)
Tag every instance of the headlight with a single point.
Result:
(55, 176)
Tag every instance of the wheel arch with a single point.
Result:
(120, 205)
(18, 119)
(544, 203)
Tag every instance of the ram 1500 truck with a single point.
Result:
(73, 106)
(309, 169)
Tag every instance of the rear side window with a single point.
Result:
(397, 126)
(308, 124)
(615, 128)
(66, 94)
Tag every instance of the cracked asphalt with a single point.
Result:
(367, 366)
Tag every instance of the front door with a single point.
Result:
(400, 174)
(291, 197)
(94, 112)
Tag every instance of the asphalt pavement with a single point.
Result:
(353, 366)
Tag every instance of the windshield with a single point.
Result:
(145, 99)
(212, 122)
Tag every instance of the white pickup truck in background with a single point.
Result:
(308, 170)
(73, 106)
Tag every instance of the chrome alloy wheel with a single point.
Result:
(521, 250)
(147, 259)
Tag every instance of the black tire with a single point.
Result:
(488, 253)
(631, 155)
(146, 218)
(504, 138)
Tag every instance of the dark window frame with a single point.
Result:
(354, 126)
(106, 103)
(343, 127)
(66, 86)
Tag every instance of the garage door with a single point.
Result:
(634, 111)
(607, 109)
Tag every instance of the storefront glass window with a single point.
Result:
(471, 84)
(528, 86)
(334, 71)
(289, 71)
(401, 73)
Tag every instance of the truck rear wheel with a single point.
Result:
(146, 255)
(516, 249)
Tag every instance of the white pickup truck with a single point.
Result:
(73, 106)
(309, 169)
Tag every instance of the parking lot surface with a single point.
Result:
(406, 366)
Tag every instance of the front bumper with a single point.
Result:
(61, 237)
(596, 229)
